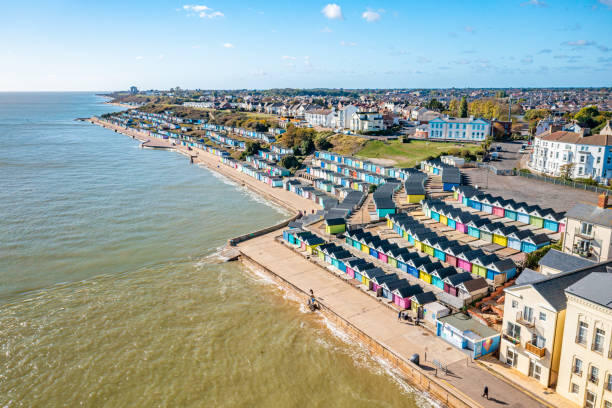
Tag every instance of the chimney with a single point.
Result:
(602, 202)
(553, 128)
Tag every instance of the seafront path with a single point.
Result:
(380, 323)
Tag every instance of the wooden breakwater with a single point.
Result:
(244, 237)
(412, 373)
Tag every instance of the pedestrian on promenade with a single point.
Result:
(485, 393)
(399, 316)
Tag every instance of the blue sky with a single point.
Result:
(109, 45)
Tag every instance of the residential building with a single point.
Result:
(342, 119)
(533, 324)
(319, 117)
(588, 231)
(459, 129)
(585, 372)
(557, 262)
(577, 155)
(607, 129)
(366, 122)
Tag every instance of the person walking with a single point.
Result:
(399, 316)
(485, 393)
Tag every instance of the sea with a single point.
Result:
(112, 293)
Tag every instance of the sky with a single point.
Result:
(223, 44)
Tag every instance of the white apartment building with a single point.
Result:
(366, 122)
(459, 129)
(320, 117)
(584, 156)
(342, 118)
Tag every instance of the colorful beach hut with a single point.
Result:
(438, 276)
(421, 299)
(451, 282)
(401, 295)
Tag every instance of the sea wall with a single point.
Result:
(411, 372)
(241, 238)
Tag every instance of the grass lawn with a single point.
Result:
(409, 154)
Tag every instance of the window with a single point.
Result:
(577, 366)
(527, 314)
(582, 333)
(586, 229)
(575, 388)
(543, 316)
(598, 160)
(609, 383)
(607, 404)
(510, 357)
(590, 400)
(594, 375)
(514, 304)
(514, 331)
(598, 342)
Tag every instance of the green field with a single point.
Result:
(409, 154)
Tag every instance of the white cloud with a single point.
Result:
(139, 57)
(537, 3)
(326, 30)
(229, 45)
(579, 43)
(333, 12)
(527, 60)
(348, 44)
(161, 56)
(470, 29)
(202, 11)
(288, 57)
(371, 16)
(307, 60)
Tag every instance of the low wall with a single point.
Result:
(412, 373)
(263, 231)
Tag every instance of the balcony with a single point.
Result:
(535, 350)
(510, 337)
(586, 235)
(524, 322)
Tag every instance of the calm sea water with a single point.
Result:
(110, 295)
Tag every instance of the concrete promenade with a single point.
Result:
(379, 322)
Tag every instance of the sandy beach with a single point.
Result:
(284, 198)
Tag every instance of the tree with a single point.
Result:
(463, 108)
(307, 146)
(453, 108)
(252, 148)
(289, 162)
(586, 117)
(566, 171)
(321, 142)
(435, 104)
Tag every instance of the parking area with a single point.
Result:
(509, 155)
(557, 197)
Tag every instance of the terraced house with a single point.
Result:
(461, 129)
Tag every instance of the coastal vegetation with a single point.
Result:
(410, 154)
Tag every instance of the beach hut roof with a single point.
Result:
(423, 298)
(458, 278)
(443, 273)
(520, 234)
(354, 261)
(457, 249)
(538, 239)
(407, 291)
(478, 222)
(342, 255)
(313, 240)
(501, 265)
(430, 267)
(384, 278)
(335, 221)
(473, 285)
(472, 255)
(485, 260)
(407, 256)
(391, 285)
(509, 230)
(510, 205)
(372, 272)
(363, 266)
(416, 262)
(395, 252)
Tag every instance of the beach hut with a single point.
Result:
(451, 282)
(479, 265)
(452, 252)
(475, 225)
(401, 295)
(421, 299)
(404, 258)
(536, 216)
(498, 204)
(510, 210)
(440, 248)
(428, 243)
(359, 269)
(338, 259)
(415, 263)
(522, 212)
(438, 276)
(351, 263)
(425, 270)
(486, 232)
(499, 236)
(377, 281)
(390, 285)
(335, 226)
(534, 242)
(498, 266)
(473, 289)
(487, 206)
(551, 220)
(392, 255)
(515, 238)
(464, 260)
(450, 218)
(382, 249)
(461, 221)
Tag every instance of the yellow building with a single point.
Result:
(585, 372)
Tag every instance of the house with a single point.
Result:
(319, 117)
(585, 371)
(473, 289)
(366, 122)
(556, 262)
(588, 231)
(533, 324)
(465, 333)
(582, 156)
(459, 129)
